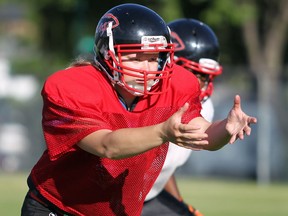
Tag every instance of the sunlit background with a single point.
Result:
(38, 38)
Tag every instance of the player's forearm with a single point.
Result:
(132, 141)
(123, 143)
(218, 136)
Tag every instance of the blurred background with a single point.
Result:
(38, 38)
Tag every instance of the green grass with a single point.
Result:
(212, 197)
(13, 189)
(235, 198)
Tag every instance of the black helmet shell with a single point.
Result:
(194, 40)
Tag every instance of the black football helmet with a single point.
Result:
(196, 49)
(134, 28)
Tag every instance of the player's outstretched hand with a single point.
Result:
(185, 135)
(238, 122)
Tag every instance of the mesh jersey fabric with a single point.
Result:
(177, 156)
(81, 100)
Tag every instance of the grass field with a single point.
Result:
(235, 198)
(212, 197)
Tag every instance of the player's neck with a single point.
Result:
(126, 97)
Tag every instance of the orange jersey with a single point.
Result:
(81, 100)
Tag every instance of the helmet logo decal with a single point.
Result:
(209, 66)
(179, 44)
(109, 18)
(148, 40)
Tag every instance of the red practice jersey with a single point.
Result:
(81, 100)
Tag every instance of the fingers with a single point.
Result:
(237, 102)
(199, 138)
(177, 116)
(183, 109)
(232, 139)
(240, 135)
(252, 120)
(247, 130)
(194, 142)
(191, 136)
(194, 145)
(188, 128)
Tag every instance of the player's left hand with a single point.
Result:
(238, 123)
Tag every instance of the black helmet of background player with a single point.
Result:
(134, 28)
(197, 49)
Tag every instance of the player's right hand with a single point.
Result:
(189, 136)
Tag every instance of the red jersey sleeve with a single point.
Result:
(71, 109)
(187, 89)
(194, 108)
(64, 126)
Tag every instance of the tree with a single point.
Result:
(266, 61)
(264, 27)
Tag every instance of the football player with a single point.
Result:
(107, 121)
